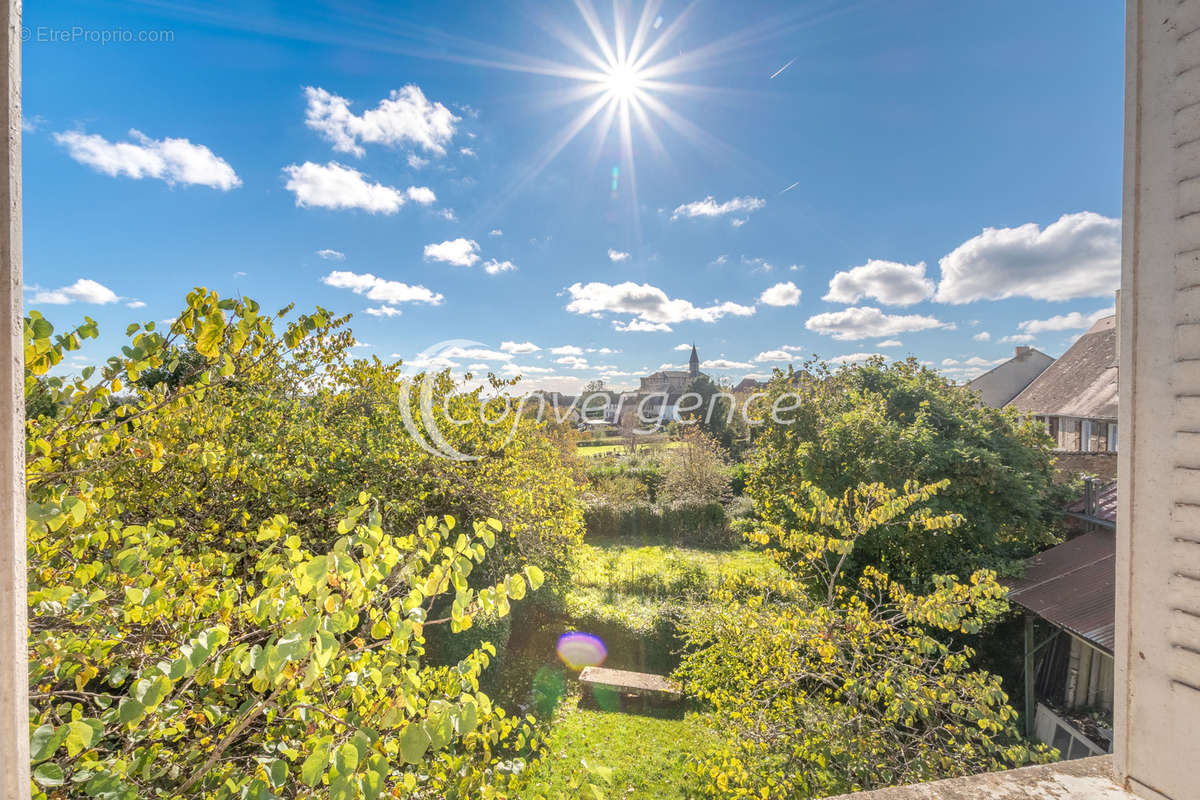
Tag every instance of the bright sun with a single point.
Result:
(623, 82)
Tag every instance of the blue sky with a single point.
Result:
(420, 144)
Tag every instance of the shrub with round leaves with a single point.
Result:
(229, 584)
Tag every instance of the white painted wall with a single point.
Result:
(1157, 703)
(14, 658)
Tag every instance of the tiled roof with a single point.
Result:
(1082, 382)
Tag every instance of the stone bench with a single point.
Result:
(641, 684)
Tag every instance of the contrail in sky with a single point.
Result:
(781, 69)
(788, 189)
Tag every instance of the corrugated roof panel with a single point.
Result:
(1073, 586)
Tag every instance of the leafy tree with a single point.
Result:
(717, 414)
(888, 423)
(182, 367)
(695, 471)
(230, 578)
(850, 688)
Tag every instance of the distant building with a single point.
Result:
(672, 381)
(1002, 383)
(659, 392)
(1076, 398)
(749, 385)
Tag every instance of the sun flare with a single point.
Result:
(623, 82)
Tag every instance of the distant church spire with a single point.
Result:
(694, 363)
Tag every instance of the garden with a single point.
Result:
(249, 578)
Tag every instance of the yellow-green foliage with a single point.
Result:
(230, 574)
(850, 687)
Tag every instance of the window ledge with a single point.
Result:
(1082, 779)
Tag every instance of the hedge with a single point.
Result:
(704, 525)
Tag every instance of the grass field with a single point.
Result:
(638, 755)
(596, 451)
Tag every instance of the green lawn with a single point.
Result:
(635, 586)
(647, 753)
(665, 570)
(595, 451)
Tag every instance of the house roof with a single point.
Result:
(1073, 586)
(1082, 382)
(1006, 380)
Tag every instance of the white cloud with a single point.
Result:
(759, 264)
(519, 369)
(416, 162)
(170, 160)
(890, 343)
(384, 311)
(708, 207)
(973, 361)
(574, 362)
(135, 304)
(721, 363)
(331, 255)
(982, 336)
(781, 294)
(83, 290)
(773, 355)
(519, 348)
(380, 289)
(567, 350)
(423, 195)
(1019, 338)
(737, 222)
(494, 267)
(437, 362)
(405, 117)
(467, 151)
(495, 232)
(602, 350)
(476, 354)
(640, 326)
(887, 282)
(1064, 322)
(650, 306)
(969, 368)
(448, 215)
(854, 358)
(335, 186)
(865, 322)
(459, 252)
(721, 259)
(792, 348)
(683, 347)
(1077, 256)
(617, 255)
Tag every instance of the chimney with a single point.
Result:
(1023, 350)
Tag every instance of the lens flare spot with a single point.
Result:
(578, 650)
